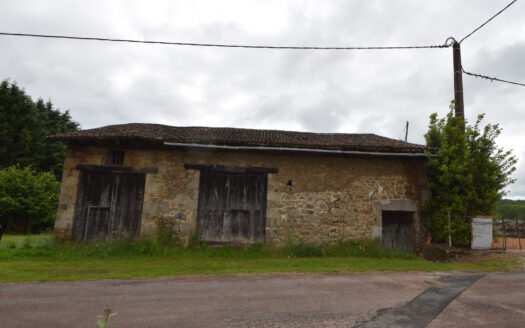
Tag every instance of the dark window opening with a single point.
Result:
(118, 157)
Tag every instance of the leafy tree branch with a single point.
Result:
(467, 174)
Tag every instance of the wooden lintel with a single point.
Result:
(116, 168)
(150, 170)
(231, 169)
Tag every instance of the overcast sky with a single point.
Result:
(104, 83)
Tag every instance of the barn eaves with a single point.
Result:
(244, 140)
(289, 149)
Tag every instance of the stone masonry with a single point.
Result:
(314, 198)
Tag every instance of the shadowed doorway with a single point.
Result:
(397, 230)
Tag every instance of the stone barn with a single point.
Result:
(241, 186)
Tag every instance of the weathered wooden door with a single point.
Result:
(109, 204)
(397, 230)
(232, 207)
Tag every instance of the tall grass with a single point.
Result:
(364, 248)
(46, 246)
(41, 258)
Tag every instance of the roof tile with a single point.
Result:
(157, 133)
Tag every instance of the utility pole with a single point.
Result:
(458, 80)
(406, 132)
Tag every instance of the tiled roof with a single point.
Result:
(158, 134)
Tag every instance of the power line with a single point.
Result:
(491, 78)
(479, 27)
(223, 45)
(446, 45)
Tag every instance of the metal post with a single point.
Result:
(406, 132)
(504, 229)
(449, 232)
(518, 228)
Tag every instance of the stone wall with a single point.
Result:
(312, 199)
(68, 187)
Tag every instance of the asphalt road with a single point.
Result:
(411, 299)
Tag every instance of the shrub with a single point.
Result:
(435, 253)
(28, 199)
(166, 234)
(194, 240)
(303, 250)
(460, 229)
(467, 174)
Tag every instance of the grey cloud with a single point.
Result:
(372, 92)
(505, 63)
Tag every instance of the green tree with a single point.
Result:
(511, 209)
(28, 199)
(467, 174)
(23, 126)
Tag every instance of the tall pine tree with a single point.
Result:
(23, 126)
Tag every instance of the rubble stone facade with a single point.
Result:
(314, 198)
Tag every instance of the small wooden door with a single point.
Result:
(109, 204)
(397, 231)
(232, 207)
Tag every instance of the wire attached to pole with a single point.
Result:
(479, 27)
(491, 79)
(222, 45)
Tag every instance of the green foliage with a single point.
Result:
(166, 235)
(361, 248)
(44, 246)
(303, 250)
(194, 240)
(467, 175)
(28, 199)
(511, 209)
(103, 320)
(435, 252)
(365, 248)
(43, 259)
(23, 126)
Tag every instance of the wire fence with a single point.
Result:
(509, 234)
(481, 232)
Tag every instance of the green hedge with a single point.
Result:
(28, 199)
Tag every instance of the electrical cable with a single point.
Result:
(446, 45)
(479, 27)
(222, 45)
(491, 78)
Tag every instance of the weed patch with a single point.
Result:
(41, 258)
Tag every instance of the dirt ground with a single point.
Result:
(520, 254)
(467, 256)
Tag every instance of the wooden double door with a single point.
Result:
(232, 207)
(109, 204)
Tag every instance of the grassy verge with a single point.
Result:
(39, 258)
